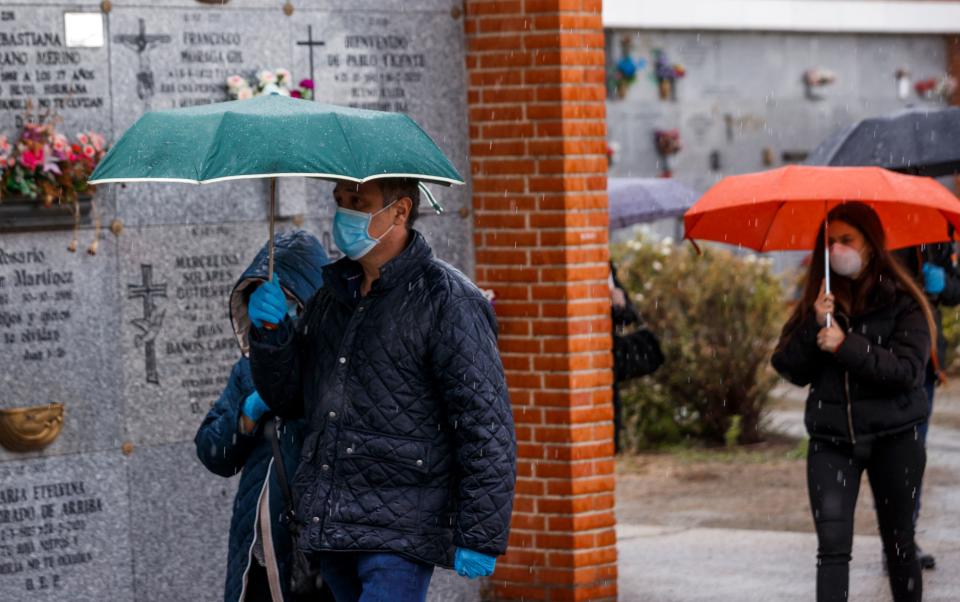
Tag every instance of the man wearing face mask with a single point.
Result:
(408, 460)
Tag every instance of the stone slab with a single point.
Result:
(180, 523)
(38, 66)
(64, 529)
(178, 348)
(58, 318)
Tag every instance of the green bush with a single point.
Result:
(951, 331)
(718, 317)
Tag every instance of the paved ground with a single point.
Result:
(738, 528)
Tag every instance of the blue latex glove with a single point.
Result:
(934, 279)
(473, 564)
(267, 303)
(254, 406)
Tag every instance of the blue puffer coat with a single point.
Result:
(225, 451)
(410, 445)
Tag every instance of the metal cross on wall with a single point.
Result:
(152, 320)
(310, 43)
(141, 42)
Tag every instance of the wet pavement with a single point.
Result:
(671, 563)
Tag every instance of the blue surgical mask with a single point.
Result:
(351, 232)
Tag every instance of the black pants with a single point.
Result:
(894, 465)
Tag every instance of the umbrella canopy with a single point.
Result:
(783, 209)
(273, 136)
(642, 200)
(917, 141)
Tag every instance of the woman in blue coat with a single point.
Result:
(232, 438)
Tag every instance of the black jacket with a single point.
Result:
(225, 451)
(873, 384)
(410, 445)
(940, 255)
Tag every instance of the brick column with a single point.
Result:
(538, 156)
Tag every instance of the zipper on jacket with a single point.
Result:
(846, 390)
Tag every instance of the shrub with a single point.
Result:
(951, 331)
(718, 317)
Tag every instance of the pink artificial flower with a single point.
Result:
(89, 151)
(30, 159)
(50, 162)
(83, 139)
(295, 94)
(98, 142)
(306, 83)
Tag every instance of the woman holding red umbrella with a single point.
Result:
(863, 348)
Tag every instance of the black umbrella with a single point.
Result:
(921, 141)
(642, 200)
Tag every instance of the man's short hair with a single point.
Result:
(397, 188)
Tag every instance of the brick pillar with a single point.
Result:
(538, 157)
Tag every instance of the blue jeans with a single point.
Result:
(922, 430)
(374, 577)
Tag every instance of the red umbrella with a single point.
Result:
(782, 209)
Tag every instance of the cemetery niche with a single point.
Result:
(116, 340)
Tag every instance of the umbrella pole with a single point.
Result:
(273, 215)
(826, 258)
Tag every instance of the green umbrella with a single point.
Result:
(274, 136)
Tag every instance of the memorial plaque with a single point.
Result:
(177, 341)
(179, 57)
(402, 61)
(39, 68)
(57, 312)
(180, 523)
(64, 529)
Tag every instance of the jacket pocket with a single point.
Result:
(380, 459)
(380, 480)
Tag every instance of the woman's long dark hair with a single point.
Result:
(851, 295)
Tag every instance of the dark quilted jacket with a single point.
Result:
(224, 451)
(873, 384)
(220, 445)
(410, 446)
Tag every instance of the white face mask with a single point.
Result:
(845, 261)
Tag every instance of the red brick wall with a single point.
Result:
(538, 156)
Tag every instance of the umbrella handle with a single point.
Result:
(826, 258)
(273, 213)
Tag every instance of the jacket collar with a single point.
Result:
(343, 276)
